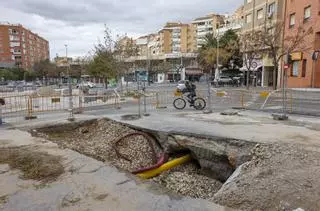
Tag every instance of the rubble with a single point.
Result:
(98, 139)
(188, 181)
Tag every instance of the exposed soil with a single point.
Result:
(97, 140)
(34, 165)
(279, 177)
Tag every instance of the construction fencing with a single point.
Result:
(20, 106)
(17, 108)
(273, 101)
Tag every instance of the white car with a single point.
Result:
(87, 84)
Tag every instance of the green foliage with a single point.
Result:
(104, 63)
(29, 76)
(12, 74)
(229, 51)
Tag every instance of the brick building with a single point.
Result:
(19, 47)
(304, 72)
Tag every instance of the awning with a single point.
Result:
(194, 72)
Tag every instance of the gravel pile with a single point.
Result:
(187, 181)
(97, 140)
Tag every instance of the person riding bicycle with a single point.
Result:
(191, 89)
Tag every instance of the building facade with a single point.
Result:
(19, 47)
(261, 14)
(304, 72)
(232, 22)
(177, 38)
(205, 25)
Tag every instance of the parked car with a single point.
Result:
(225, 80)
(86, 84)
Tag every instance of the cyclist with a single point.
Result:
(191, 90)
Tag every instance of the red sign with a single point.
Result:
(286, 66)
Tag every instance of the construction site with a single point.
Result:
(123, 164)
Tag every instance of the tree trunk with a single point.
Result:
(248, 78)
(274, 78)
(275, 68)
(106, 83)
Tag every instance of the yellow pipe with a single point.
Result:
(169, 165)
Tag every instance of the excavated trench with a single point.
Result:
(214, 159)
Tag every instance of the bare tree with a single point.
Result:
(250, 47)
(272, 42)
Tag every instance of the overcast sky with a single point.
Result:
(79, 23)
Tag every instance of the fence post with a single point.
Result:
(80, 102)
(291, 102)
(29, 109)
(1, 111)
(242, 99)
(139, 105)
(157, 100)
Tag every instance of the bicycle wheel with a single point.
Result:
(179, 103)
(199, 103)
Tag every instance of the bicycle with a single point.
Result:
(180, 103)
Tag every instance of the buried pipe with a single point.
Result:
(160, 166)
(162, 157)
(169, 165)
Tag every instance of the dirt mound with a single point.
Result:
(279, 177)
(33, 164)
(186, 180)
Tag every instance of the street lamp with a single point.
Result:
(217, 74)
(71, 117)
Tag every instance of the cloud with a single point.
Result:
(79, 23)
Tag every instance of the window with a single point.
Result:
(260, 14)
(249, 18)
(304, 68)
(14, 44)
(307, 13)
(13, 31)
(292, 20)
(272, 8)
(295, 69)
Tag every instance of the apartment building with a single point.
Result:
(260, 14)
(19, 47)
(177, 38)
(304, 72)
(205, 25)
(232, 22)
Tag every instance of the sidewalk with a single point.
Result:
(247, 125)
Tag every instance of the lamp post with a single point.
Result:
(71, 116)
(144, 83)
(209, 110)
